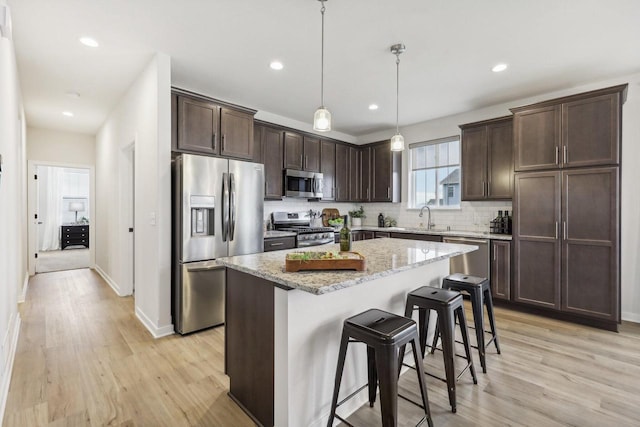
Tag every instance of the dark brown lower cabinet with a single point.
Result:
(416, 236)
(566, 236)
(501, 269)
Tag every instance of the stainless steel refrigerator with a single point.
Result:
(217, 212)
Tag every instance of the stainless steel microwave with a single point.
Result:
(302, 184)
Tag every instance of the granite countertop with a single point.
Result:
(443, 233)
(383, 256)
(271, 234)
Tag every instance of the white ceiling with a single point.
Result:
(223, 48)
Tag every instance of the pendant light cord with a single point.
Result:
(397, 91)
(322, 58)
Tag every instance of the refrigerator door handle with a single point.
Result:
(232, 206)
(225, 206)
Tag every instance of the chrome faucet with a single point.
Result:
(429, 224)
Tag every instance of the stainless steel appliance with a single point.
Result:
(299, 223)
(302, 184)
(474, 263)
(217, 212)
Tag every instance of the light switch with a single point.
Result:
(152, 218)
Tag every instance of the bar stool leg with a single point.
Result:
(492, 322)
(462, 319)
(436, 334)
(422, 382)
(478, 320)
(447, 329)
(387, 364)
(423, 328)
(336, 388)
(373, 374)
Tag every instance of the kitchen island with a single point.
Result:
(283, 329)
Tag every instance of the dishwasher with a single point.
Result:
(474, 263)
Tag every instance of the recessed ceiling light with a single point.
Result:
(276, 65)
(499, 67)
(67, 113)
(88, 41)
(373, 107)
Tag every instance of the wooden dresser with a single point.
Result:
(74, 235)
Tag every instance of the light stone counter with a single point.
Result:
(383, 256)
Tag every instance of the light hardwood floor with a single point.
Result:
(84, 360)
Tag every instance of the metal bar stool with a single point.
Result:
(449, 306)
(383, 333)
(480, 293)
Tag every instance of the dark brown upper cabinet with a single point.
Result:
(487, 160)
(293, 151)
(355, 179)
(198, 123)
(385, 173)
(364, 173)
(342, 175)
(359, 174)
(328, 169)
(271, 142)
(301, 152)
(574, 131)
(206, 126)
(311, 154)
(236, 134)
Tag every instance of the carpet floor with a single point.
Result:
(68, 259)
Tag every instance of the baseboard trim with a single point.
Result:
(156, 331)
(25, 284)
(631, 317)
(6, 375)
(109, 281)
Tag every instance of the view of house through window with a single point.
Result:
(435, 173)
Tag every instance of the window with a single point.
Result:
(435, 173)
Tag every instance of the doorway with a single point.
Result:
(61, 205)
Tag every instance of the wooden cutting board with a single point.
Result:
(329, 213)
(352, 261)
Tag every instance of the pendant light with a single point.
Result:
(397, 140)
(322, 116)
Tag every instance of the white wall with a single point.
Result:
(13, 267)
(142, 117)
(630, 196)
(54, 146)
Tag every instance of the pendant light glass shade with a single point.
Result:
(397, 142)
(322, 120)
(322, 116)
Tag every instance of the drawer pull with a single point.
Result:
(276, 244)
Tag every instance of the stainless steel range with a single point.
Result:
(299, 223)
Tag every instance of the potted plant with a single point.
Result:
(356, 217)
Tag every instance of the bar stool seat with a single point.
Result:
(479, 291)
(383, 333)
(448, 306)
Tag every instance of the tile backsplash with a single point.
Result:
(472, 216)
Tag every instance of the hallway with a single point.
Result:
(83, 359)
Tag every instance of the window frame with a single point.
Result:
(410, 187)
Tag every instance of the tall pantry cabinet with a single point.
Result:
(567, 205)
